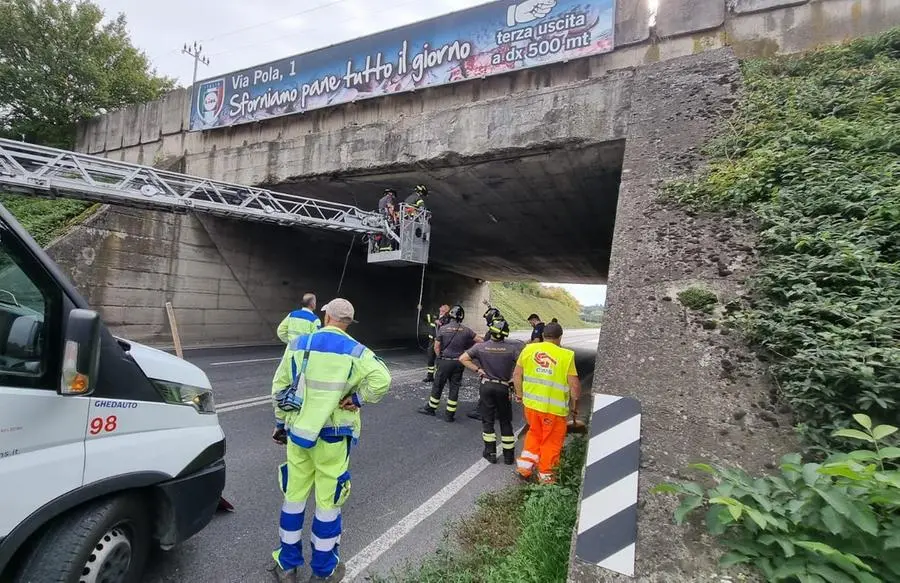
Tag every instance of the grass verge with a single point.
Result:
(44, 218)
(521, 534)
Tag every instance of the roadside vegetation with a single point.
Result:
(518, 300)
(812, 154)
(58, 66)
(520, 534)
(46, 219)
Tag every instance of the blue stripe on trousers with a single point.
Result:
(290, 555)
(324, 561)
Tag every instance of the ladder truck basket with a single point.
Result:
(407, 243)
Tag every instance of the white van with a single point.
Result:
(107, 447)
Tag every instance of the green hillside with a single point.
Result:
(517, 300)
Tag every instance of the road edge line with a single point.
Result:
(373, 551)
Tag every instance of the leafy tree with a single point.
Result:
(59, 64)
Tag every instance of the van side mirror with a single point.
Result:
(81, 354)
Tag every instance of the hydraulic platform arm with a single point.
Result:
(39, 171)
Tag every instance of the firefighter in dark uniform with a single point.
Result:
(417, 198)
(451, 341)
(490, 315)
(494, 361)
(434, 323)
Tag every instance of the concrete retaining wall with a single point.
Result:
(232, 283)
(129, 263)
(703, 394)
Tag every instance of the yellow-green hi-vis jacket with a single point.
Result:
(338, 367)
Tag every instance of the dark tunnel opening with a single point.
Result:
(541, 215)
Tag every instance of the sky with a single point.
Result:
(235, 34)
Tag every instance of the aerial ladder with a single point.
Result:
(48, 172)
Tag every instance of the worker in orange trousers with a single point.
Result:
(546, 383)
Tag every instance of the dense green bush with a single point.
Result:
(698, 298)
(834, 522)
(45, 218)
(813, 153)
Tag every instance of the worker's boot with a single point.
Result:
(449, 416)
(490, 452)
(282, 576)
(429, 378)
(509, 456)
(474, 414)
(426, 410)
(336, 575)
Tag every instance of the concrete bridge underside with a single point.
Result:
(543, 215)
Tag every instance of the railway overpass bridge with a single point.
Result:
(550, 173)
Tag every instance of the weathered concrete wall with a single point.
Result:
(276, 265)
(696, 386)
(752, 27)
(129, 263)
(232, 283)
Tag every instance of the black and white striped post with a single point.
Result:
(607, 523)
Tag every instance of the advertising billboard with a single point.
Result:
(490, 39)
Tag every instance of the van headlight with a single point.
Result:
(180, 394)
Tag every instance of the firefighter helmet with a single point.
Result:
(457, 313)
(492, 314)
(421, 189)
(498, 329)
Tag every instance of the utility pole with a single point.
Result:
(196, 52)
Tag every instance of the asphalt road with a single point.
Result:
(410, 473)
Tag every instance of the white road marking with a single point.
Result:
(245, 361)
(364, 558)
(250, 360)
(228, 406)
(267, 399)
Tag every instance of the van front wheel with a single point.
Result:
(101, 542)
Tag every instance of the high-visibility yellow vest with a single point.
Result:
(545, 386)
(297, 323)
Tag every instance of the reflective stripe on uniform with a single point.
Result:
(543, 399)
(326, 385)
(546, 383)
(546, 368)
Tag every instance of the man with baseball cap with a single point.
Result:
(318, 418)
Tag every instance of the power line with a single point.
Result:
(294, 33)
(252, 26)
(196, 52)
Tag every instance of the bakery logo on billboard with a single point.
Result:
(211, 100)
